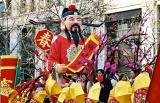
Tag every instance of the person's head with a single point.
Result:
(83, 77)
(75, 75)
(123, 77)
(100, 73)
(71, 23)
(132, 74)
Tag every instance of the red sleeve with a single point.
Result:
(54, 56)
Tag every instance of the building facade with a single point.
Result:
(144, 14)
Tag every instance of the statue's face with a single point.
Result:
(70, 22)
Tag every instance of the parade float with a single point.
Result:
(45, 88)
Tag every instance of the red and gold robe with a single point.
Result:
(62, 51)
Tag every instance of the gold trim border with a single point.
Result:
(91, 37)
(7, 67)
(9, 56)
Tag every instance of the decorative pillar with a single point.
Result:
(8, 65)
(14, 45)
(15, 7)
(149, 28)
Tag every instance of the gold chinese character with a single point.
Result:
(44, 40)
(5, 88)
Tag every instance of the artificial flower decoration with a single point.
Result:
(36, 52)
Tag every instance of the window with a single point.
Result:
(124, 23)
(1, 8)
(122, 28)
(4, 42)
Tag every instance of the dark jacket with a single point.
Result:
(106, 86)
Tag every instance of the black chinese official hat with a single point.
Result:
(71, 10)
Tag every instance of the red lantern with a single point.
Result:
(43, 39)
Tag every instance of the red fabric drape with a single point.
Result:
(154, 89)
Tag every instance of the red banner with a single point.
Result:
(154, 89)
(91, 44)
(43, 39)
(8, 69)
